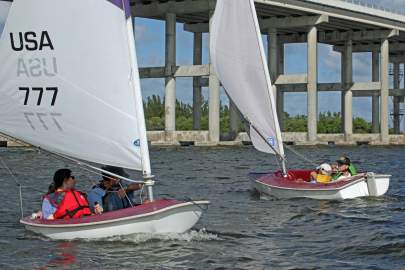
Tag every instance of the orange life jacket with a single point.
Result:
(73, 205)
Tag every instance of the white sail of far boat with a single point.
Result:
(62, 91)
(238, 58)
(69, 84)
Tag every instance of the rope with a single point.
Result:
(21, 201)
(78, 163)
(141, 193)
(93, 169)
(126, 195)
(312, 162)
(17, 183)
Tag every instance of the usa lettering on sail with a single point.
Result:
(31, 41)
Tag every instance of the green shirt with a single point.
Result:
(352, 171)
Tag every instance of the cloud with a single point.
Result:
(140, 32)
(150, 42)
(295, 56)
(329, 64)
(362, 67)
(185, 45)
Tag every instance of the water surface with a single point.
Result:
(239, 231)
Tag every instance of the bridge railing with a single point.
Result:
(363, 3)
(369, 5)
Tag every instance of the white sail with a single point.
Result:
(238, 58)
(67, 80)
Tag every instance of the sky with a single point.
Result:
(150, 42)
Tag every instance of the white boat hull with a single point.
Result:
(368, 186)
(178, 218)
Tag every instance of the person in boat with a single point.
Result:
(110, 194)
(343, 169)
(323, 174)
(63, 201)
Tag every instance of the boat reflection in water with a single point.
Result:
(65, 255)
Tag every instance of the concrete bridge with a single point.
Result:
(348, 27)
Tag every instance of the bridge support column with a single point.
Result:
(403, 100)
(234, 119)
(342, 93)
(312, 84)
(170, 87)
(214, 106)
(280, 94)
(197, 97)
(384, 91)
(396, 115)
(273, 56)
(213, 103)
(348, 95)
(375, 99)
(276, 67)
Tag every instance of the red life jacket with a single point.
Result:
(73, 205)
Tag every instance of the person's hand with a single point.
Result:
(133, 187)
(98, 209)
(121, 193)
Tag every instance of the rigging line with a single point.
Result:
(126, 195)
(246, 120)
(17, 183)
(141, 193)
(77, 162)
(312, 162)
(91, 180)
(94, 170)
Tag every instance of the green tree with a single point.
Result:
(329, 122)
(155, 118)
(361, 126)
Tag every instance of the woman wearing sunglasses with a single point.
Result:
(62, 200)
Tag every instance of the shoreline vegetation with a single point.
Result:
(328, 122)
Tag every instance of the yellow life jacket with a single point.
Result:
(321, 178)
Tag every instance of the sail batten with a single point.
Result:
(66, 85)
(238, 57)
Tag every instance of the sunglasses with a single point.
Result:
(72, 177)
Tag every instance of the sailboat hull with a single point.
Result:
(296, 186)
(158, 217)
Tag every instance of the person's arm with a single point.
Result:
(96, 196)
(47, 209)
(133, 187)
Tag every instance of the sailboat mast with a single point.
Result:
(140, 116)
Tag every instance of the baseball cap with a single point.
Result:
(343, 161)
